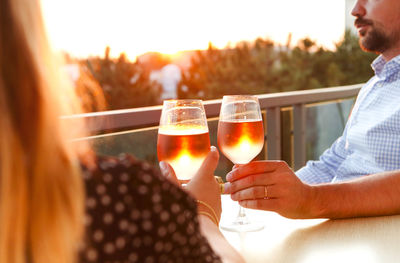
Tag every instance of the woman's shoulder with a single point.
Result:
(134, 213)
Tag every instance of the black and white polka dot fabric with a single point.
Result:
(135, 215)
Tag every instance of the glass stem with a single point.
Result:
(241, 218)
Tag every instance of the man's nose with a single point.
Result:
(358, 9)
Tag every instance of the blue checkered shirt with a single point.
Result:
(370, 142)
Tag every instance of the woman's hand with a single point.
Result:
(272, 186)
(205, 188)
(203, 185)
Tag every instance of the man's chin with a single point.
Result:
(369, 47)
(364, 44)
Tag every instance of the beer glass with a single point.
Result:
(183, 139)
(240, 139)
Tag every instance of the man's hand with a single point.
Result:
(271, 186)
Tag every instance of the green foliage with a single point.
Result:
(124, 84)
(353, 61)
(263, 67)
(258, 67)
(244, 69)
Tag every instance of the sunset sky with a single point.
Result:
(86, 27)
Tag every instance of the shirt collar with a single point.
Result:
(384, 69)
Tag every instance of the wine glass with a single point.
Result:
(240, 139)
(183, 138)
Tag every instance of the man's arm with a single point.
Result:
(373, 195)
(272, 186)
(323, 170)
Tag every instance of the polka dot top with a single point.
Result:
(133, 214)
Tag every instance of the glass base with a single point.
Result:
(242, 223)
(243, 227)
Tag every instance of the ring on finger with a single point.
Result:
(221, 184)
(266, 192)
(222, 188)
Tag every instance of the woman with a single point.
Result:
(130, 210)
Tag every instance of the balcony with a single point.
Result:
(298, 126)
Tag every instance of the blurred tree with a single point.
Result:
(256, 67)
(354, 62)
(125, 84)
(263, 67)
(243, 69)
(89, 91)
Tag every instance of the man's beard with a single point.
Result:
(375, 41)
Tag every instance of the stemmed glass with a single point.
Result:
(240, 139)
(183, 138)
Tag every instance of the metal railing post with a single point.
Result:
(299, 135)
(273, 124)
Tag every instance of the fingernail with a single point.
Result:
(213, 148)
(229, 176)
(233, 197)
(163, 165)
(227, 188)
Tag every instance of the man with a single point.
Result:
(370, 144)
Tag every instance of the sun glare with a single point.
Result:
(245, 144)
(84, 28)
(184, 159)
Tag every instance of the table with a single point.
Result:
(367, 240)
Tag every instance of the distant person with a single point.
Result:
(168, 77)
(359, 174)
(60, 203)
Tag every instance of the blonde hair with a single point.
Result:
(41, 191)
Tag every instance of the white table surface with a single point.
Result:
(367, 240)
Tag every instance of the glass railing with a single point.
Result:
(299, 126)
